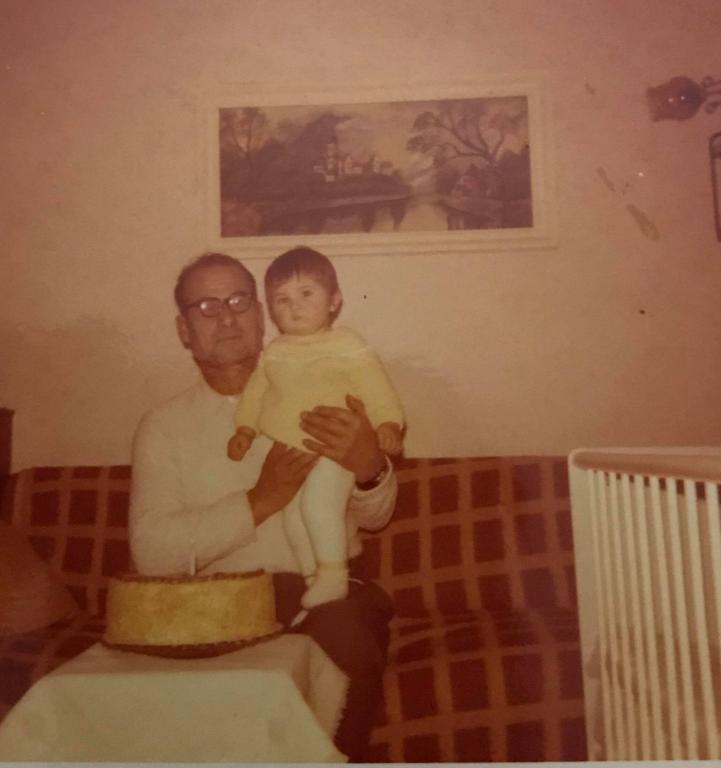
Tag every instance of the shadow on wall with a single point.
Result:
(439, 423)
(79, 389)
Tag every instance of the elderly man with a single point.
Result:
(191, 506)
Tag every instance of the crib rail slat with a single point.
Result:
(698, 610)
(596, 512)
(652, 671)
(625, 660)
(680, 618)
(662, 580)
(617, 743)
(713, 594)
(634, 584)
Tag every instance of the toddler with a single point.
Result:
(313, 363)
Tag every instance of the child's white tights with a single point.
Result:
(315, 524)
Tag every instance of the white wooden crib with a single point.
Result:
(647, 540)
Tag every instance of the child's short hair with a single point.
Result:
(301, 261)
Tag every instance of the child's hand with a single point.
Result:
(240, 442)
(390, 437)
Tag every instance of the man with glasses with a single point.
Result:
(194, 510)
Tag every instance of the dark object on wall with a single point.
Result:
(6, 431)
(681, 98)
(714, 146)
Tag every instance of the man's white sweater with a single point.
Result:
(189, 507)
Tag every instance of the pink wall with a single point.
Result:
(612, 337)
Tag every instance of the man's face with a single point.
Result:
(229, 338)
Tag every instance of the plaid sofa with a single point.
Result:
(484, 658)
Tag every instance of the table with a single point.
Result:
(278, 701)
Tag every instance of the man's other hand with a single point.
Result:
(281, 477)
(345, 436)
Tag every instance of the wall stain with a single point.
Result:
(647, 227)
(605, 179)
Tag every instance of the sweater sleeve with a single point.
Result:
(372, 510)
(248, 411)
(372, 385)
(166, 535)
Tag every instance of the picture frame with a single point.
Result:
(462, 167)
(714, 148)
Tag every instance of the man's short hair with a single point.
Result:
(301, 261)
(209, 259)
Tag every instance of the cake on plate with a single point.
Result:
(190, 616)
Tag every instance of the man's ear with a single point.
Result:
(183, 333)
(261, 319)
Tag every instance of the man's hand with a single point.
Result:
(345, 436)
(282, 475)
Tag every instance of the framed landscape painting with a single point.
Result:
(418, 170)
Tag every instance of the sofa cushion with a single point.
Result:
(31, 595)
(473, 534)
(482, 687)
(479, 561)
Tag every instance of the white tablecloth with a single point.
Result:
(278, 701)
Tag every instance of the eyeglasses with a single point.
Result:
(212, 307)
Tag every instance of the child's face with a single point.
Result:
(302, 305)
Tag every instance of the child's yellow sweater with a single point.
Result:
(296, 373)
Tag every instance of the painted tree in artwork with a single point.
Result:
(244, 134)
(480, 150)
(262, 160)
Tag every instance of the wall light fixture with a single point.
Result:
(681, 98)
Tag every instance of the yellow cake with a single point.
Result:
(189, 615)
